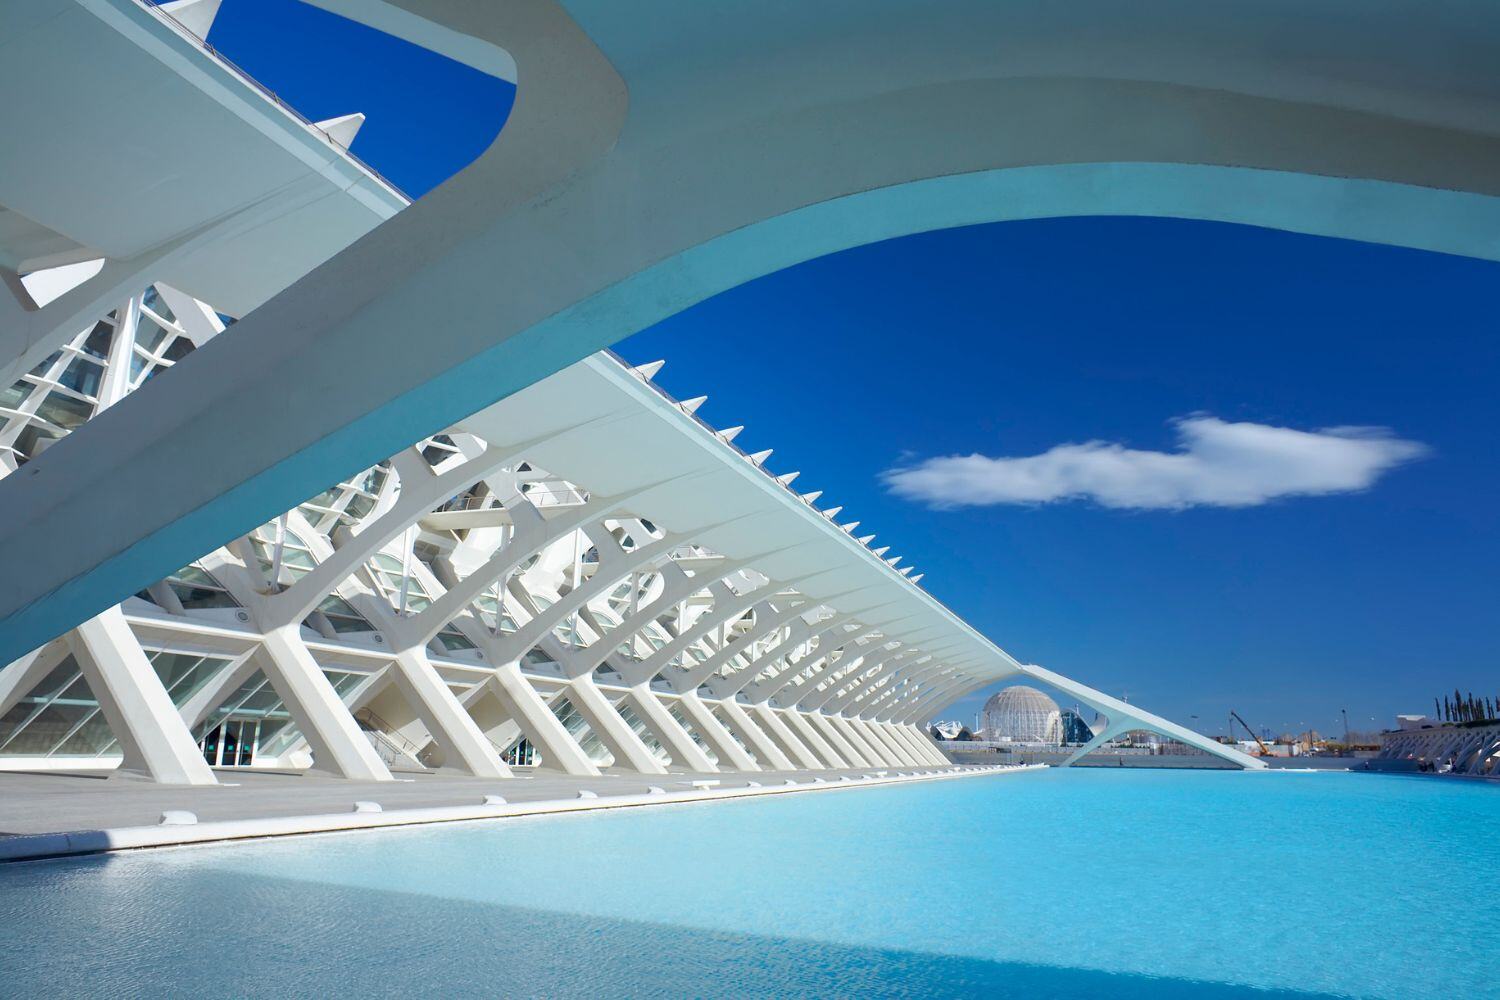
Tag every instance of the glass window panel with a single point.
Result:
(184, 675)
(149, 334)
(15, 395)
(342, 616)
(343, 682)
(196, 589)
(46, 366)
(152, 300)
(92, 737)
(263, 700)
(180, 348)
(64, 411)
(46, 729)
(98, 340)
(277, 735)
(358, 506)
(454, 640)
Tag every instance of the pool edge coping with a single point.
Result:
(42, 846)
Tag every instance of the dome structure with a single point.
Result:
(1022, 715)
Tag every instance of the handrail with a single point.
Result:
(384, 729)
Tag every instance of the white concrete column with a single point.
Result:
(836, 739)
(608, 725)
(732, 755)
(921, 743)
(464, 746)
(140, 713)
(19, 676)
(683, 748)
(903, 739)
(860, 743)
(772, 757)
(538, 722)
(931, 746)
(785, 738)
(898, 754)
(814, 739)
(337, 743)
(1104, 735)
(914, 748)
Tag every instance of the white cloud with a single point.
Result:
(1217, 464)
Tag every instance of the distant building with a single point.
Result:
(950, 731)
(1022, 714)
(1074, 729)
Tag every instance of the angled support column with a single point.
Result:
(139, 711)
(729, 749)
(900, 735)
(836, 739)
(538, 722)
(465, 747)
(683, 748)
(1104, 735)
(897, 754)
(338, 745)
(921, 744)
(1123, 718)
(773, 758)
(785, 738)
(610, 727)
(881, 741)
(19, 677)
(814, 739)
(861, 746)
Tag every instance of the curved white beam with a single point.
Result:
(587, 221)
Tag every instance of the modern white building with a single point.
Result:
(404, 515)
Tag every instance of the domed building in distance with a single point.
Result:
(1022, 714)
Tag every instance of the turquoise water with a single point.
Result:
(1059, 883)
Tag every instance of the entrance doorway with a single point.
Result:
(231, 743)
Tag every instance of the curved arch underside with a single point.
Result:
(651, 162)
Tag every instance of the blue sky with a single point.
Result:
(1258, 561)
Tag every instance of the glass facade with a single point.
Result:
(583, 734)
(61, 717)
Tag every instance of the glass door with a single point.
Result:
(231, 743)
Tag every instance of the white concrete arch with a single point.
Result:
(651, 162)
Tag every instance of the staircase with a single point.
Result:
(398, 753)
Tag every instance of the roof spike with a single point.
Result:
(196, 16)
(918, 578)
(786, 480)
(648, 370)
(730, 433)
(811, 497)
(866, 539)
(906, 570)
(882, 550)
(691, 405)
(832, 512)
(341, 130)
(850, 526)
(759, 458)
(893, 560)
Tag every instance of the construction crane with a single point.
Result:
(1235, 717)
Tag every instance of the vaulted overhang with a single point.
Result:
(126, 135)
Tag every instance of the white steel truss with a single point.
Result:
(467, 604)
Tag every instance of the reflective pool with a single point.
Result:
(1059, 883)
